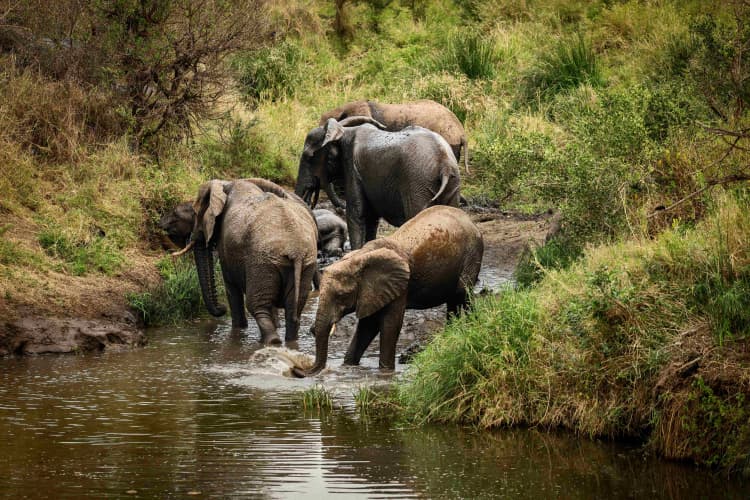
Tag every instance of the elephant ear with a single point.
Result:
(209, 205)
(384, 277)
(334, 131)
(353, 121)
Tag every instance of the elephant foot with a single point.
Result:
(299, 372)
(272, 340)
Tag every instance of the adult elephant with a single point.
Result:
(267, 247)
(431, 260)
(424, 113)
(389, 175)
(178, 223)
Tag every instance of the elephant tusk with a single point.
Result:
(333, 329)
(184, 250)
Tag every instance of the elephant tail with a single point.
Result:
(443, 183)
(465, 147)
(297, 280)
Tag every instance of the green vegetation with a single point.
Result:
(640, 339)
(629, 118)
(317, 398)
(176, 298)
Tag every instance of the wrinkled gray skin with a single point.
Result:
(267, 246)
(431, 260)
(178, 224)
(331, 232)
(424, 113)
(389, 175)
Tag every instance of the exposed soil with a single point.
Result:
(50, 311)
(53, 312)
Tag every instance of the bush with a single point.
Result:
(555, 254)
(240, 151)
(176, 298)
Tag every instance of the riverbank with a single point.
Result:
(644, 340)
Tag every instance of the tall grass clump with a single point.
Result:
(643, 339)
(176, 298)
(270, 73)
(473, 54)
(570, 63)
(317, 398)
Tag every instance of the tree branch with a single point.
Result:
(711, 183)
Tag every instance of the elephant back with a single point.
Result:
(445, 249)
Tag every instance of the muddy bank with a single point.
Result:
(39, 335)
(53, 312)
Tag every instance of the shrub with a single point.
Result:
(555, 254)
(239, 150)
(176, 298)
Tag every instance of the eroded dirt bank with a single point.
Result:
(54, 312)
(58, 313)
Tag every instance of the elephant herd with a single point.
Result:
(397, 162)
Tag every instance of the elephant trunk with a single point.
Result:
(323, 330)
(328, 186)
(204, 263)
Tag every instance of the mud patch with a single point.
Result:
(64, 335)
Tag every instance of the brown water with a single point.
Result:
(190, 416)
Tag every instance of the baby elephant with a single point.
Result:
(331, 232)
(431, 260)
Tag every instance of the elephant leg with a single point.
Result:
(371, 227)
(367, 329)
(356, 211)
(390, 321)
(457, 304)
(263, 285)
(265, 319)
(236, 302)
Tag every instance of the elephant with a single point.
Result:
(424, 113)
(431, 260)
(389, 175)
(178, 223)
(267, 247)
(331, 232)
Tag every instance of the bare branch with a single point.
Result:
(711, 183)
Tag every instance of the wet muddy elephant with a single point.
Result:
(178, 223)
(331, 232)
(424, 113)
(431, 260)
(389, 175)
(267, 247)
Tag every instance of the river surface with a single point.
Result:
(191, 415)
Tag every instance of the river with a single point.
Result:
(189, 415)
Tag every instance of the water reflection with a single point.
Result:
(189, 415)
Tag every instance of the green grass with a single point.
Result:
(570, 63)
(176, 298)
(594, 347)
(317, 398)
(81, 257)
(472, 53)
